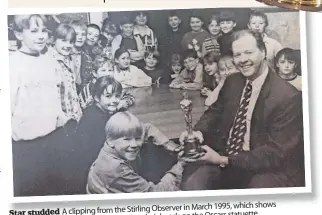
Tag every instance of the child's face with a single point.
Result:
(257, 24)
(211, 68)
(190, 63)
(141, 19)
(127, 29)
(174, 22)
(80, 36)
(124, 60)
(176, 68)
(285, 66)
(107, 69)
(150, 61)
(127, 148)
(109, 100)
(195, 24)
(227, 26)
(226, 66)
(214, 28)
(63, 46)
(92, 36)
(35, 38)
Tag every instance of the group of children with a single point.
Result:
(75, 84)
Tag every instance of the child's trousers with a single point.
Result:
(40, 166)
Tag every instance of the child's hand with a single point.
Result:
(86, 99)
(174, 85)
(123, 105)
(191, 159)
(173, 147)
(205, 91)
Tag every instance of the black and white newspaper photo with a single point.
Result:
(165, 102)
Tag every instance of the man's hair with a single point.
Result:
(257, 36)
(93, 26)
(227, 15)
(21, 22)
(105, 81)
(259, 14)
(66, 32)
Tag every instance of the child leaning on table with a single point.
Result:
(176, 65)
(191, 77)
(116, 167)
(152, 68)
(129, 75)
(210, 79)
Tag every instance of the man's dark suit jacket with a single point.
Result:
(276, 133)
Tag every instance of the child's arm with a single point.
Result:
(14, 85)
(127, 101)
(191, 86)
(213, 95)
(158, 138)
(197, 82)
(177, 82)
(130, 182)
(139, 78)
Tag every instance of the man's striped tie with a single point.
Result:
(236, 140)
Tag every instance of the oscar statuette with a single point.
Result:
(191, 143)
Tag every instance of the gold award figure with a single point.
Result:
(191, 143)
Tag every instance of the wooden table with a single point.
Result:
(160, 106)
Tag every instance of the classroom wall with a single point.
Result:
(286, 25)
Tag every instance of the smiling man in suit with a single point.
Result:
(253, 135)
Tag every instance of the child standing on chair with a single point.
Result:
(129, 75)
(153, 70)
